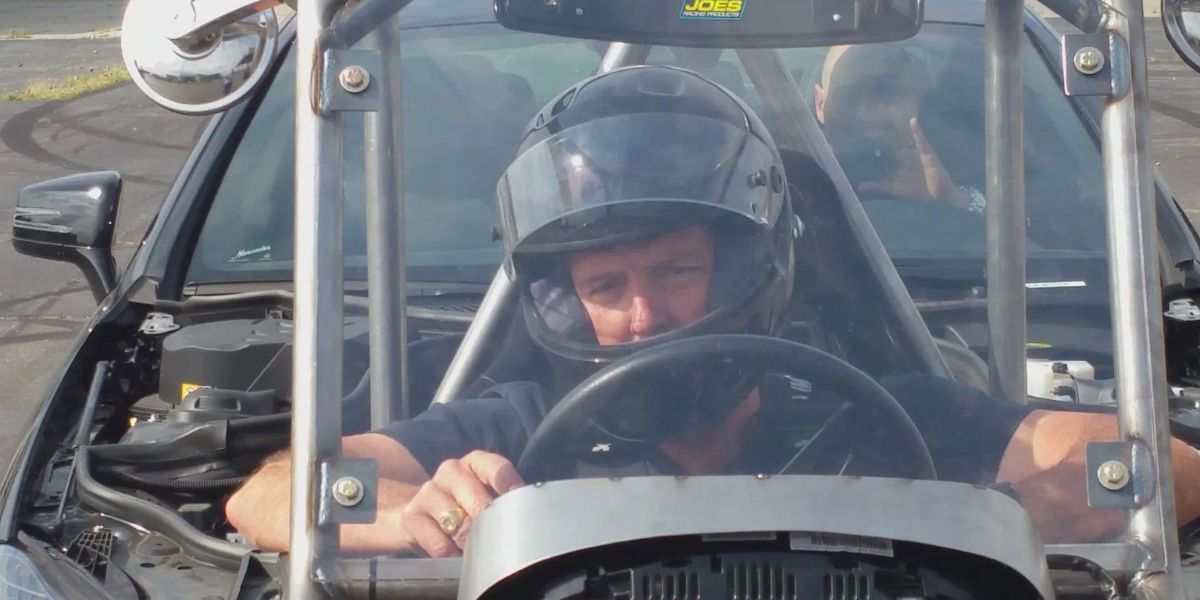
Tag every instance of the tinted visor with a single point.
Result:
(605, 182)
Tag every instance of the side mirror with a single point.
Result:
(1181, 21)
(72, 219)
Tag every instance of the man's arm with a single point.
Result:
(260, 508)
(1046, 462)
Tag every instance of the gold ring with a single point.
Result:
(451, 520)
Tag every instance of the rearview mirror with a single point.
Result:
(1181, 20)
(72, 219)
(718, 23)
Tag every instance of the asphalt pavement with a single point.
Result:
(43, 304)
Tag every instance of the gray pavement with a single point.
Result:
(59, 16)
(25, 61)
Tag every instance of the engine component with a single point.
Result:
(248, 355)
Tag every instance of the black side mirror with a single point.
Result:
(72, 219)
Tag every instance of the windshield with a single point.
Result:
(938, 246)
(462, 85)
(649, 218)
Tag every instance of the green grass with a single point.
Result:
(73, 87)
(16, 33)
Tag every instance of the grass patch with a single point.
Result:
(16, 33)
(73, 87)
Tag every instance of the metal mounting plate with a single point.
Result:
(366, 471)
(1099, 496)
(1076, 83)
(335, 98)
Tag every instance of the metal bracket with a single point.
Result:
(348, 489)
(1087, 67)
(1111, 482)
(335, 97)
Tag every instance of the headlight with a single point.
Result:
(19, 577)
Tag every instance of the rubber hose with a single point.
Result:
(180, 485)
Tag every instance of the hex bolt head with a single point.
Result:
(347, 491)
(1089, 60)
(354, 79)
(1113, 475)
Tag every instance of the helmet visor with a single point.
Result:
(607, 181)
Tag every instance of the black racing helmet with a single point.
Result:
(630, 155)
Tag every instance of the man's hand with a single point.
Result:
(919, 172)
(439, 516)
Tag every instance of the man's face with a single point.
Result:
(857, 93)
(636, 291)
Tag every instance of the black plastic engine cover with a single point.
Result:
(247, 355)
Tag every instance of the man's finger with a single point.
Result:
(926, 151)
(494, 470)
(434, 502)
(429, 536)
(467, 489)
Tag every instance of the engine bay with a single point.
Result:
(180, 415)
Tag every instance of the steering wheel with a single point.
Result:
(758, 354)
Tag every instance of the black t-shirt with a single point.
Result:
(965, 430)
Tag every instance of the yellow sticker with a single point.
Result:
(188, 388)
(721, 10)
(1038, 346)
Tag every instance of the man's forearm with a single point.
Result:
(261, 510)
(1046, 462)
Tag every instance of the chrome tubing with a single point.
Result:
(1005, 130)
(623, 54)
(502, 293)
(497, 302)
(317, 341)
(1137, 309)
(386, 268)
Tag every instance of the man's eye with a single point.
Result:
(604, 287)
(682, 271)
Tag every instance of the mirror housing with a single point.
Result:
(72, 219)
(718, 23)
(198, 62)
(1181, 21)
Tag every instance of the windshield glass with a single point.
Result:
(649, 218)
(461, 85)
(936, 243)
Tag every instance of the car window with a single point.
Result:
(468, 92)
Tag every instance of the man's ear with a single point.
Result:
(819, 102)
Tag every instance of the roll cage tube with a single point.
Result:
(1137, 298)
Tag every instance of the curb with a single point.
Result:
(108, 34)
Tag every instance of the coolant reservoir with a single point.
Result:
(1056, 379)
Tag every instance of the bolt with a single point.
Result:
(1113, 475)
(354, 79)
(347, 491)
(1089, 60)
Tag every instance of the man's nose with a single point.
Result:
(643, 322)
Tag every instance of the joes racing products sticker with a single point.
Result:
(724, 10)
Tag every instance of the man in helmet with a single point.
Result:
(648, 205)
